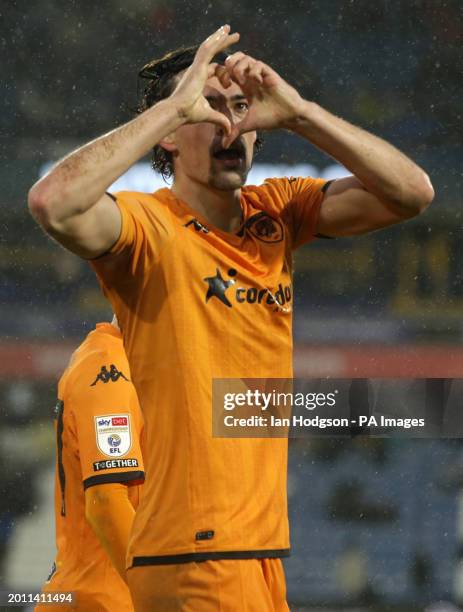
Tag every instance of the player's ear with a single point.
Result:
(168, 143)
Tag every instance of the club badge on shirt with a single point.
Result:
(113, 435)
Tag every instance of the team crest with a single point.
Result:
(265, 228)
(113, 435)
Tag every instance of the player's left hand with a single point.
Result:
(273, 103)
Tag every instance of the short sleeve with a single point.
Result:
(144, 234)
(298, 202)
(107, 421)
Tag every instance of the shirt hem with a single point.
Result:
(210, 556)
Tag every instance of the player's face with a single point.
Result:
(200, 154)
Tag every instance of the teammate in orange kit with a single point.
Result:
(200, 276)
(99, 470)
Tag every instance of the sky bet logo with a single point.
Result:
(218, 287)
(114, 421)
(119, 421)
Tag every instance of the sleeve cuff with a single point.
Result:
(120, 477)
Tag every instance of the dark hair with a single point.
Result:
(161, 75)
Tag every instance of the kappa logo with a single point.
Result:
(105, 375)
(199, 227)
(218, 286)
(261, 225)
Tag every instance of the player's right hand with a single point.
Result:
(188, 95)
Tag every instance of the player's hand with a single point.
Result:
(188, 95)
(273, 103)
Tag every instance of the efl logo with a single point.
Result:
(119, 421)
(113, 435)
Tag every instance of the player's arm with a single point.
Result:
(387, 186)
(70, 202)
(110, 512)
(107, 424)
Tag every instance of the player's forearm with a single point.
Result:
(110, 513)
(78, 181)
(384, 171)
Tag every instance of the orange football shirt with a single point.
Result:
(196, 303)
(98, 430)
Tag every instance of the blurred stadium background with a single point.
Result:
(376, 524)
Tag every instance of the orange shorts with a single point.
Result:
(251, 585)
(83, 603)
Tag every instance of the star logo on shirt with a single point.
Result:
(218, 285)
